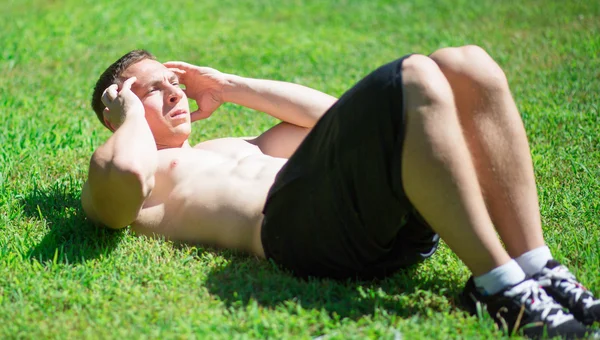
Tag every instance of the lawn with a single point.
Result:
(60, 277)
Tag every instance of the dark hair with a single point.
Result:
(112, 75)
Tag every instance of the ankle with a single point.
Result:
(499, 278)
(534, 260)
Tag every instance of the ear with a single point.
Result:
(106, 120)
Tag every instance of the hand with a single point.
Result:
(202, 84)
(121, 102)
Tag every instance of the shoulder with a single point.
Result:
(234, 147)
(282, 140)
(219, 142)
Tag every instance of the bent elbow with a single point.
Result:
(116, 224)
(117, 193)
(114, 217)
(131, 174)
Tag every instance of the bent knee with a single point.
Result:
(422, 78)
(471, 63)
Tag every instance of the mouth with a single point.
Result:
(178, 114)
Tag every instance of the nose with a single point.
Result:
(175, 94)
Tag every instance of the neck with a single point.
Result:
(185, 144)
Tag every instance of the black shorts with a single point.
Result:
(338, 208)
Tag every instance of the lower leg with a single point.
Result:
(498, 144)
(437, 170)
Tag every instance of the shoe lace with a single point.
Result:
(532, 295)
(566, 280)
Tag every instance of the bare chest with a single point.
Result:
(212, 195)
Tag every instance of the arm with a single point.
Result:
(121, 172)
(299, 107)
(291, 103)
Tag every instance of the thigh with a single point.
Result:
(338, 203)
(356, 149)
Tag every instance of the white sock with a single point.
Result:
(508, 274)
(534, 260)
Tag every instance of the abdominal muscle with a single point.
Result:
(213, 194)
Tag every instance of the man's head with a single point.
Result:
(165, 104)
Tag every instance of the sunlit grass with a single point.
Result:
(62, 278)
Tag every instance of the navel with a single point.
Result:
(173, 164)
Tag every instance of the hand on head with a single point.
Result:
(203, 84)
(121, 102)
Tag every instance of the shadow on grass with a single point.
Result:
(405, 293)
(71, 238)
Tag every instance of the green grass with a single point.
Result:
(62, 278)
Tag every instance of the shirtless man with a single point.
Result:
(422, 146)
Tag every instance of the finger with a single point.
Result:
(127, 84)
(199, 115)
(109, 94)
(177, 71)
(177, 64)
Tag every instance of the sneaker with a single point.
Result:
(562, 285)
(525, 307)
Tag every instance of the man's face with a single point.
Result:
(166, 105)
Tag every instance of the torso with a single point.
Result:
(212, 194)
